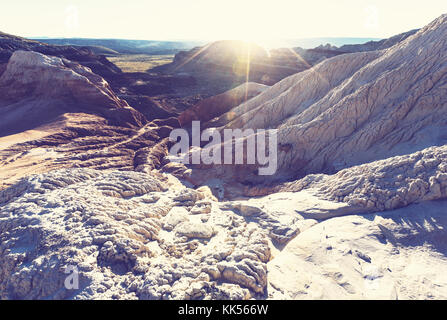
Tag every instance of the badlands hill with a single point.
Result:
(57, 113)
(83, 55)
(232, 62)
(235, 62)
(207, 109)
(138, 88)
(356, 210)
(353, 108)
(138, 236)
(37, 89)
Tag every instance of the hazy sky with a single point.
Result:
(214, 20)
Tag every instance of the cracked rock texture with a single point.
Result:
(131, 235)
(147, 236)
(382, 185)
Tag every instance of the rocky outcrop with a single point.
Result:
(83, 55)
(383, 185)
(147, 236)
(124, 46)
(37, 89)
(331, 244)
(130, 235)
(58, 114)
(311, 57)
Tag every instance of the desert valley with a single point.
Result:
(355, 209)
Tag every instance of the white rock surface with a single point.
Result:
(131, 235)
(381, 185)
(146, 236)
(400, 254)
(354, 108)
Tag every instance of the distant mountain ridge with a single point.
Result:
(125, 46)
(234, 62)
(309, 43)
